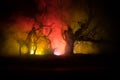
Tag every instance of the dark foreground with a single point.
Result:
(54, 65)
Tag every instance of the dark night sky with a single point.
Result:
(8, 7)
(29, 7)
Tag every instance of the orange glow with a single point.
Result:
(32, 49)
(85, 47)
(55, 37)
(24, 49)
(54, 41)
(39, 51)
(32, 52)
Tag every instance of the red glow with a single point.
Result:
(52, 16)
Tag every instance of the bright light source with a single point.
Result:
(32, 52)
(57, 53)
(32, 49)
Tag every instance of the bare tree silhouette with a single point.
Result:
(70, 37)
(32, 37)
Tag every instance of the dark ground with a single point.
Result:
(90, 65)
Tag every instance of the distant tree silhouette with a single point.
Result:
(32, 37)
(70, 37)
(31, 40)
